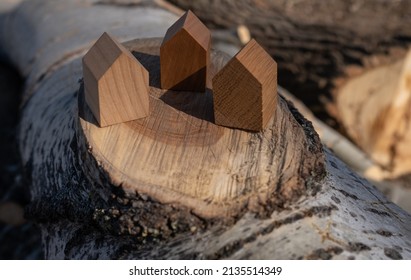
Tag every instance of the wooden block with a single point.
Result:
(245, 90)
(185, 55)
(116, 84)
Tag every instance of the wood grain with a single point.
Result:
(375, 110)
(185, 55)
(245, 90)
(178, 155)
(116, 84)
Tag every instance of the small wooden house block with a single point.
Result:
(115, 83)
(185, 55)
(245, 90)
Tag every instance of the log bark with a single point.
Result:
(314, 207)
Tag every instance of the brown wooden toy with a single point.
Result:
(245, 90)
(116, 84)
(185, 55)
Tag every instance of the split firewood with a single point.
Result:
(396, 190)
(174, 184)
(375, 110)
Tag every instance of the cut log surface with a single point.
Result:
(178, 155)
(375, 109)
(88, 209)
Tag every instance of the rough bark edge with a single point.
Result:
(153, 222)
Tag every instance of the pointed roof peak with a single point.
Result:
(104, 52)
(109, 41)
(189, 15)
(252, 48)
(256, 60)
(112, 41)
(193, 26)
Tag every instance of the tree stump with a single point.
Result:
(179, 155)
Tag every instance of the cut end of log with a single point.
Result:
(375, 110)
(116, 84)
(178, 156)
(185, 55)
(245, 90)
